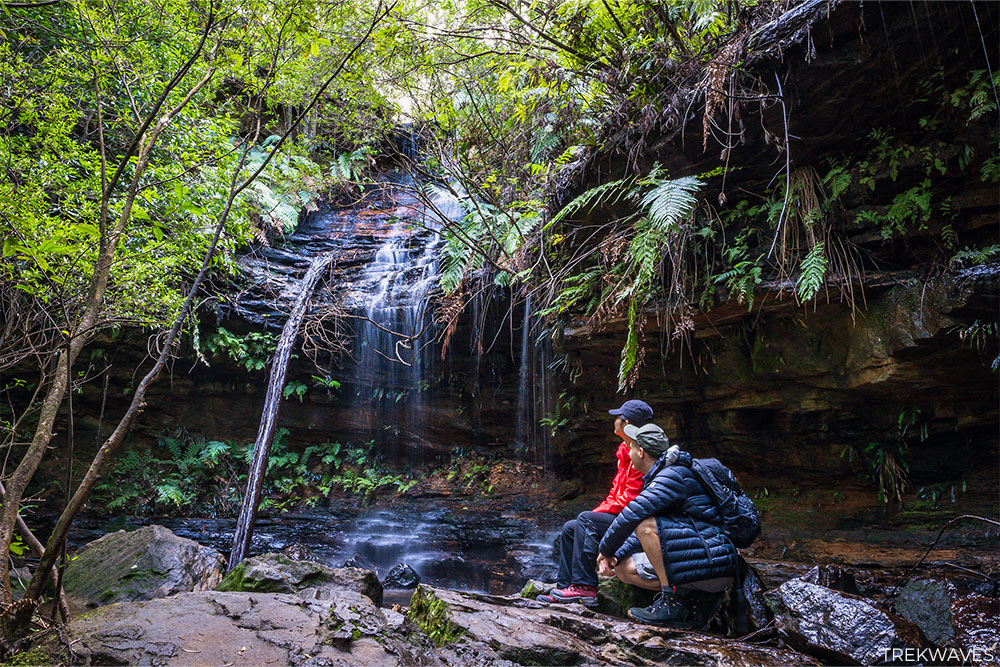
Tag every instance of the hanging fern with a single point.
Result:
(671, 201)
(545, 140)
(630, 352)
(813, 271)
(608, 193)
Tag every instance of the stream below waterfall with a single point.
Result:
(481, 552)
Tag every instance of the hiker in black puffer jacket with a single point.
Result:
(670, 536)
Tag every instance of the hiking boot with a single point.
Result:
(704, 608)
(574, 593)
(667, 610)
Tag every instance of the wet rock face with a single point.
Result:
(401, 576)
(838, 626)
(227, 628)
(143, 564)
(779, 393)
(927, 603)
(276, 573)
(951, 616)
(530, 632)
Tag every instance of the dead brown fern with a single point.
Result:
(449, 309)
(716, 73)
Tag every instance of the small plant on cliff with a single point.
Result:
(888, 468)
(887, 461)
(252, 351)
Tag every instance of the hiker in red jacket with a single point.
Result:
(580, 537)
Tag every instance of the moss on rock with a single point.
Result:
(615, 597)
(236, 582)
(431, 615)
(534, 588)
(44, 654)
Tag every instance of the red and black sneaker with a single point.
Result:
(582, 593)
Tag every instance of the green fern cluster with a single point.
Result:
(486, 231)
(661, 206)
(207, 477)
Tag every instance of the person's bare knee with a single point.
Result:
(627, 573)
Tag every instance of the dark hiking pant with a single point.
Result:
(577, 548)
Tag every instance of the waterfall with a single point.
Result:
(534, 389)
(395, 331)
(269, 418)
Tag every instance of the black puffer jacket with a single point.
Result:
(694, 546)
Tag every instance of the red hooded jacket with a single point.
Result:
(626, 485)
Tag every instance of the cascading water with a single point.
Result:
(269, 418)
(534, 389)
(394, 333)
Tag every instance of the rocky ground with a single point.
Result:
(273, 609)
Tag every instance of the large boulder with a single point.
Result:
(839, 627)
(277, 573)
(224, 628)
(951, 616)
(927, 603)
(532, 633)
(143, 564)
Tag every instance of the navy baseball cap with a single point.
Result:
(636, 412)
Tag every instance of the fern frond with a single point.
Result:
(213, 451)
(630, 352)
(170, 494)
(546, 140)
(813, 271)
(608, 193)
(671, 201)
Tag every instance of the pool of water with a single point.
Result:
(467, 550)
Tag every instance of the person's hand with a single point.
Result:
(606, 566)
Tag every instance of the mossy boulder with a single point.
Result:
(143, 564)
(277, 573)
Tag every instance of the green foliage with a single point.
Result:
(978, 96)
(975, 256)
(929, 496)
(252, 351)
(669, 201)
(296, 389)
(207, 477)
(630, 351)
(888, 467)
(432, 616)
(744, 273)
(813, 272)
(662, 206)
(325, 382)
(605, 195)
(17, 545)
